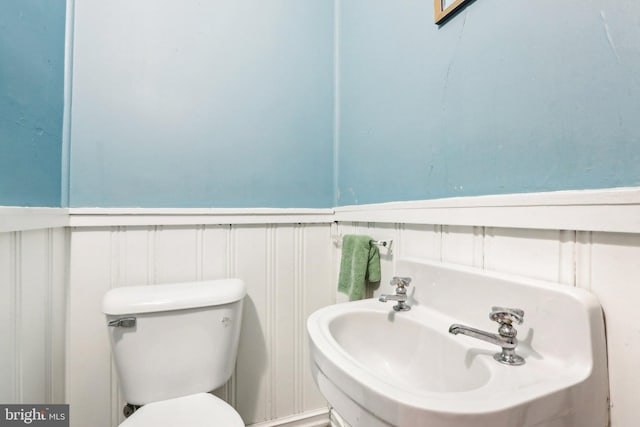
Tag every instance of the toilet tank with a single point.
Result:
(175, 339)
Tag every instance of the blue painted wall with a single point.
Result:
(31, 101)
(202, 104)
(230, 104)
(507, 97)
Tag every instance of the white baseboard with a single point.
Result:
(315, 418)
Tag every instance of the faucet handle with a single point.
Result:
(504, 315)
(401, 282)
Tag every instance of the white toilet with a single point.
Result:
(172, 344)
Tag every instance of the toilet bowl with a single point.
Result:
(172, 344)
(196, 410)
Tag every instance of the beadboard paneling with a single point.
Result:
(32, 315)
(288, 272)
(89, 385)
(8, 320)
(463, 245)
(316, 289)
(420, 241)
(533, 253)
(250, 258)
(614, 277)
(297, 266)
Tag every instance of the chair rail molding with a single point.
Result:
(608, 210)
(92, 217)
(16, 218)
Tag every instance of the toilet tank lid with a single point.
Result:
(172, 296)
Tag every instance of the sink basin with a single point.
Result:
(378, 367)
(406, 362)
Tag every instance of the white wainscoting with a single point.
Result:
(607, 264)
(32, 315)
(290, 263)
(288, 270)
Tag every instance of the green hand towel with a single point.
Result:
(360, 263)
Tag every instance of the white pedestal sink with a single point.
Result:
(378, 367)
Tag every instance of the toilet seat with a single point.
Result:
(196, 410)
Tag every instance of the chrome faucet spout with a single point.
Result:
(504, 342)
(385, 298)
(505, 338)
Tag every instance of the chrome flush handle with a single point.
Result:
(123, 322)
